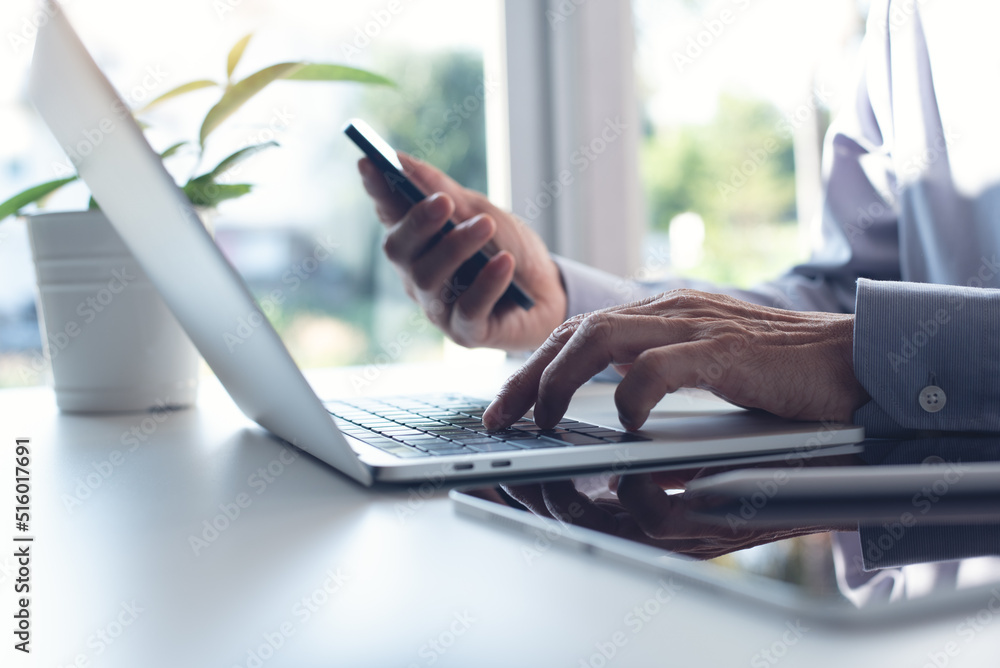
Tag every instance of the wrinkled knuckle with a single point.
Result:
(596, 326)
(685, 298)
(565, 331)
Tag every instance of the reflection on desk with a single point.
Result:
(912, 556)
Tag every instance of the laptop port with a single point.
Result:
(462, 467)
(500, 463)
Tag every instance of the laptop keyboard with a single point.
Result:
(452, 425)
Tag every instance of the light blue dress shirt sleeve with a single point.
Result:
(912, 336)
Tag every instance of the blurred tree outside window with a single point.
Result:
(735, 98)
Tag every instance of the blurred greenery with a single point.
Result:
(738, 173)
(437, 112)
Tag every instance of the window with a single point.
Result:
(735, 97)
(350, 308)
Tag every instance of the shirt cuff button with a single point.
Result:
(932, 398)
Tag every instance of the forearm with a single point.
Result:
(589, 289)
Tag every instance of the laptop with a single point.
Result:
(399, 439)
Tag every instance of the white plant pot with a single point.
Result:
(113, 344)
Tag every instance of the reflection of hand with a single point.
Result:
(468, 314)
(796, 365)
(643, 512)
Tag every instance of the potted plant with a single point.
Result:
(112, 343)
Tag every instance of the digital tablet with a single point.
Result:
(842, 564)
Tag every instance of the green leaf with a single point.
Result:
(171, 150)
(32, 195)
(175, 92)
(235, 54)
(208, 193)
(239, 93)
(328, 72)
(237, 157)
(92, 204)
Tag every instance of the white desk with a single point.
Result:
(410, 570)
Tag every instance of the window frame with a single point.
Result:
(568, 70)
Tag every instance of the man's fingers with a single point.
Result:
(434, 267)
(430, 179)
(477, 303)
(389, 204)
(571, 506)
(427, 177)
(655, 373)
(531, 497)
(519, 392)
(407, 239)
(656, 513)
(599, 340)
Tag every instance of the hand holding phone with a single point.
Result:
(385, 159)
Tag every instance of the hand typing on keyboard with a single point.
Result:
(452, 425)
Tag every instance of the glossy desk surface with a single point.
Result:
(318, 571)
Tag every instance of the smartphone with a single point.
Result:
(387, 162)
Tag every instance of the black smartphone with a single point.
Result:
(387, 162)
